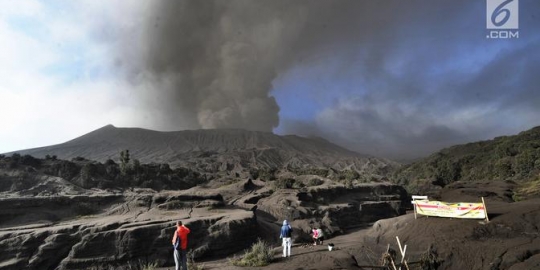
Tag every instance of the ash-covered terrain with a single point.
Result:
(110, 199)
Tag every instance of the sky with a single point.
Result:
(394, 79)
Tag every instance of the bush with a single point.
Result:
(14, 161)
(267, 174)
(314, 182)
(30, 161)
(310, 171)
(78, 159)
(283, 183)
(16, 156)
(527, 190)
(148, 266)
(260, 254)
(349, 183)
(129, 266)
(349, 175)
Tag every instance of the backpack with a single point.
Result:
(178, 243)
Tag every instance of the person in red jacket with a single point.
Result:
(179, 241)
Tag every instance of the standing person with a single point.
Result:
(285, 234)
(179, 241)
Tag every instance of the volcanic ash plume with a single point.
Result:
(210, 64)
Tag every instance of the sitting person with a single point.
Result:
(320, 236)
(315, 236)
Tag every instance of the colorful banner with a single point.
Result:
(451, 210)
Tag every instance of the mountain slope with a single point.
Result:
(514, 158)
(212, 150)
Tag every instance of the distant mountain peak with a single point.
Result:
(234, 147)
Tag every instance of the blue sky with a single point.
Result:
(395, 79)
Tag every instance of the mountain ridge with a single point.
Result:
(232, 147)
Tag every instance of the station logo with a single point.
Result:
(502, 19)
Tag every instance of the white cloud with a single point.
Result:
(20, 8)
(58, 79)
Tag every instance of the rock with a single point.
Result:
(117, 238)
(336, 208)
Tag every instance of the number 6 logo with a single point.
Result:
(500, 9)
(502, 14)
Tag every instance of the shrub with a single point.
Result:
(124, 161)
(78, 159)
(14, 161)
(254, 173)
(260, 254)
(284, 183)
(349, 183)
(136, 166)
(314, 182)
(527, 190)
(267, 174)
(349, 175)
(430, 259)
(16, 156)
(87, 171)
(310, 171)
(30, 161)
(131, 265)
(148, 266)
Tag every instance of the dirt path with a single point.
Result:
(305, 256)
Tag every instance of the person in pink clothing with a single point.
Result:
(315, 236)
(180, 241)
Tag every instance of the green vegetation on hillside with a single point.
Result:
(514, 158)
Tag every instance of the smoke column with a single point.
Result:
(210, 64)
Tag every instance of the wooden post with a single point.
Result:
(414, 199)
(403, 254)
(414, 204)
(393, 264)
(406, 265)
(402, 251)
(485, 209)
(399, 245)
